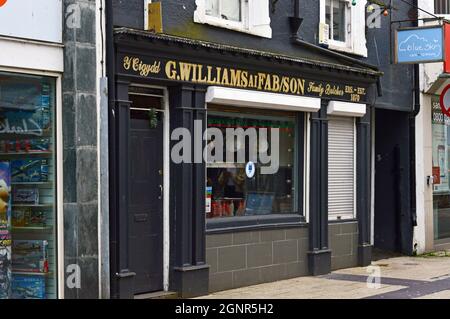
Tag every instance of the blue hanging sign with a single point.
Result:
(419, 45)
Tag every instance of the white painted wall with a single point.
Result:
(429, 73)
(25, 54)
(32, 19)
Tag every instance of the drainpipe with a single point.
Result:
(110, 74)
(412, 134)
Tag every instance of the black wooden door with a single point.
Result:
(146, 202)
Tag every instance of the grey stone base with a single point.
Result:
(364, 255)
(191, 281)
(319, 262)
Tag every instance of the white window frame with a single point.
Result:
(355, 36)
(251, 24)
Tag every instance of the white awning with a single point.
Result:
(262, 100)
(346, 109)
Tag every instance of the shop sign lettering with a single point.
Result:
(239, 78)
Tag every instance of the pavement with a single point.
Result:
(422, 277)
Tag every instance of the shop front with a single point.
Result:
(233, 167)
(440, 124)
(31, 64)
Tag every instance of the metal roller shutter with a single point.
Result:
(341, 168)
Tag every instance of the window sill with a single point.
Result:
(248, 223)
(345, 49)
(342, 221)
(231, 25)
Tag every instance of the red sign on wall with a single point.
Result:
(436, 175)
(447, 47)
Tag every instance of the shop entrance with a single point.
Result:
(393, 220)
(145, 207)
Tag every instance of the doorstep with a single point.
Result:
(158, 295)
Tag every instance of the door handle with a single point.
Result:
(160, 192)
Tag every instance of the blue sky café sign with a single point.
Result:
(419, 45)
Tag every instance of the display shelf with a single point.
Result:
(32, 229)
(31, 153)
(33, 134)
(225, 165)
(25, 273)
(33, 205)
(43, 184)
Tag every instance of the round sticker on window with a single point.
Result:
(250, 169)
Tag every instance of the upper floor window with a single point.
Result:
(225, 9)
(249, 16)
(337, 16)
(342, 26)
(442, 6)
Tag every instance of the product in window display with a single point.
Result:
(28, 287)
(29, 170)
(259, 203)
(27, 217)
(30, 256)
(5, 197)
(26, 196)
(232, 181)
(5, 235)
(25, 146)
(5, 269)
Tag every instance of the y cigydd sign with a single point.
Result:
(445, 101)
(419, 45)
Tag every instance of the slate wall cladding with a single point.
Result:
(79, 115)
(343, 239)
(252, 257)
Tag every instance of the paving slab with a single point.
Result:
(400, 278)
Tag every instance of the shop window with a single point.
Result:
(27, 187)
(342, 26)
(441, 169)
(341, 168)
(231, 191)
(248, 16)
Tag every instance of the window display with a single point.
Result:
(235, 191)
(27, 191)
(441, 166)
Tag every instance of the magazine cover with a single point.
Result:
(30, 256)
(5, 227)
(28, 287)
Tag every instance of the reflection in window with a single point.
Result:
(225, 9)
(230, 192)
(27, 189)
(335, 16)
(441, 166)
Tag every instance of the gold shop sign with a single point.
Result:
(205, 74)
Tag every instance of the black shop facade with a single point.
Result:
(186, 223)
